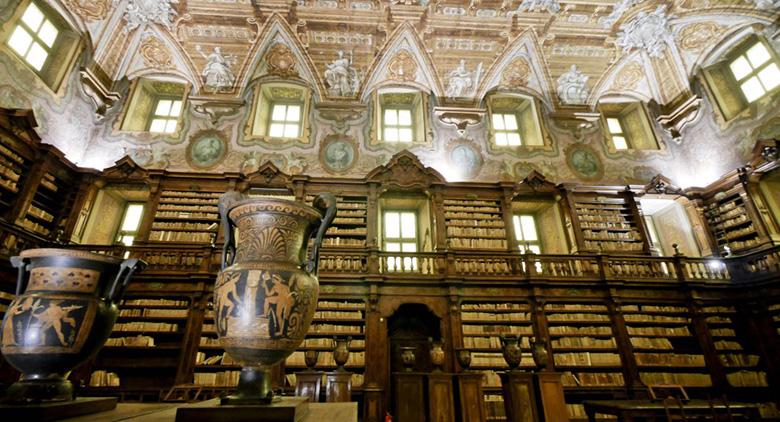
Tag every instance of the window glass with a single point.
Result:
(165, 118)
(507, 131)
(285, 121)
(128, 227)
(400, 235)
(526, 233)
(756, 72)
(33, 37)
(397, 125)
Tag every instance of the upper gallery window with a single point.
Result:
(40, 38)
(400, 235)
(399, 117)
(514, 122)
(397, 125)
(279, 114)
(131, 220)
(526, 233)
(155, 106)
(627, 126)
(755, 71)
(166, 116)
(33, 37)
(285, 120)
(742, 76)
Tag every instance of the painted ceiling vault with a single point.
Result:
(569, 55)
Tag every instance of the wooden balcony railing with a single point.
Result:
(341, 263)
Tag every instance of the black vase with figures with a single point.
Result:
(266, 293)
(64, 310)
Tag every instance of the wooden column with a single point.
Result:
(440, 229)
(470, 398)
(633, 382)
(150, 209)
(441, 398)
(375, 377)
(410, 397)
(707, 345)
(191, 341)
(507, 213)
(541, 331)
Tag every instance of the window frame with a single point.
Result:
(524, 246)
(742, 51)
(122, 233)
(383, 125)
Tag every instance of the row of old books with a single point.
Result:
(155, 302)
(738, 360)
(592, 330)
(336, 329)
(659, 331)
(137, 341)
(494, 307)
(747, 379)
(495, 223)
(727, 345)
(332, 304)
(577, 317)
(342, 241)
(351, 315)
(497, 329)
(587, 359)
(217, 379)
(223, 359)
(684, 379)
(169, 236)
(208, 341)
(184, 226)
(490, 342)
(653, 308)
(651, 343)
(103, 379)
(478, 243)
(154, 312)
(593, 379)
(489, 316)
(475, 231)
(586, 342)
(146, 326)
(669, 359)
(655, 318)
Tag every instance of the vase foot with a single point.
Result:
(254, 387)
(39, 390)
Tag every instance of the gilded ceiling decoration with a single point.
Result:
(155, 54)
(281, 61)
(89, 10)
(628, 77)
(402, 67)
(698, 35)
(516, 73)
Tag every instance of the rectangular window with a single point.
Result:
(400, 235)
(507, 131)
(285, 121)
(397, 125)
(617, 133)
(165, 117)
(128, 229)
(33, 37)
(526, 234)
(756, 72)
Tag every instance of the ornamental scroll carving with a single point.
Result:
(628, 77)
(402, 67)
(89, 10)
(155, 54)
(695, 37)
(281, 61)
(516, 73)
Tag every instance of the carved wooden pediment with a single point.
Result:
(268, 175)
(535, 182)
(125, 169)
(661, 185)
(405, 170)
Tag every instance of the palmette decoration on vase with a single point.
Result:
(65, 307)
(266, 294)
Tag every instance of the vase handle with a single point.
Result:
(226, 202)
(127, 268)
(326, 203)
(23, 277)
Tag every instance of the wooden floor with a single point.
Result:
(166, 412)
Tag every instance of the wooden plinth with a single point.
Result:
(519, 396)
(549, 391)
(441, 403)
(409, 396)
(288, 409)
(57, 410)
(338, 387)
(470, 398)
(308, 384)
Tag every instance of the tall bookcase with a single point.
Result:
(583, 345)
(607, 223)
(665, 345)
(145, 346)
(731, 223)
(14, 168)
(186, 216)
(482, 323)
(214, 368)
(475, 224)
(736, 353)
(349, 228)
(51, 203)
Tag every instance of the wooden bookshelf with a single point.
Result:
(730, 222)
(186, 217)
(350, 227)
(607, 223)
(14, 167)
(475, 224)
(665, 345)
(774, 312)
(214, 367)
(584, 346)
(51, 202)
(735, 351)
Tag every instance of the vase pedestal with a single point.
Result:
(308, 384)
(470, 398)
(338, 386)
(409, 396)
(285, 409)
(441, 402)
(51, 411)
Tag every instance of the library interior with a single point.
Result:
(450, 210)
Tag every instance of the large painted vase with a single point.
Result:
(64, 310)
(266, 294)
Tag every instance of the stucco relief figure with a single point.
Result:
(53, 317)
(647, 31)
(140, 13)
(217, 73)
(342, 79)
(460, 82)
(572, 87)
(551, 6)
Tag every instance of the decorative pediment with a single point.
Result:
(126, 169)
(535, 182)
(405, 170)
(268, 175)
(662, 185)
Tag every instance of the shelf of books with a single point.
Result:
(13, 170)
(774, 312)
(50, 203)
(475, 224)
(334, 318)
(730, 222)
(186, 216)
(214, 368)
(665, 345)
(482, 323)
(145, 344)
(607, 223)
(736, 352)
(349, 228)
